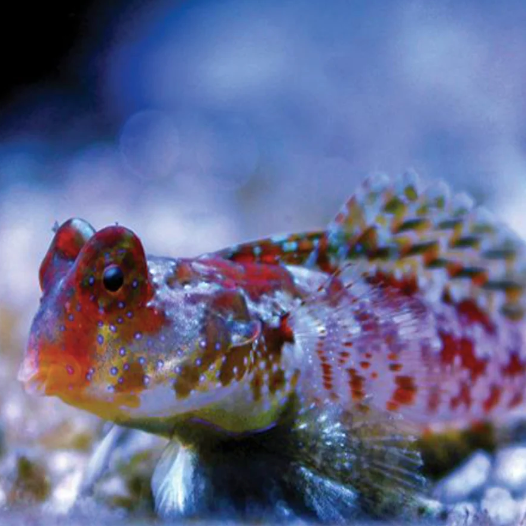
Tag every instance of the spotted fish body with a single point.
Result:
(410, 305)
(431, 323)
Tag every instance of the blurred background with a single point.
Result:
(199, 124)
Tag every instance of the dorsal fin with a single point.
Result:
(449, 247)
(292, 249)
(452, 249)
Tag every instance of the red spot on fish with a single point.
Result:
(406, 390)
(286, 330)
(407, 285)
(327, 375)
(493, 399)
(463, 397)
(515, 366)
(469, 312)
(356, 383)
(344, 356)
(464, 349)
(516, 400)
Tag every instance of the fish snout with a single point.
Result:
(45, 376)
(31, 377)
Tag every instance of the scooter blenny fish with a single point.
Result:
(295, 373)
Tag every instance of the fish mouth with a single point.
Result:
(32, 378)
(46, 380)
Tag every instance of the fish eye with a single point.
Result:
(113, 278)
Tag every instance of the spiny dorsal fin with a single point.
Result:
(292, 249)
(452, 248)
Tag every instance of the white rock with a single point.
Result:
(114, 490)
(66, 468)
(464, 482)
(509, 469)
(522, 511)
(500, 507)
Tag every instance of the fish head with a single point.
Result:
(128, 337)
(95, 294)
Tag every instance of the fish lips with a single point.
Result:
(48, 376)
(51, 379)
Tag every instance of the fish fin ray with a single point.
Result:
(368, 343)
(338, 446)
(449, 245)
(99, 462)
(291, 249)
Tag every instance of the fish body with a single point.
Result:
(408, 307)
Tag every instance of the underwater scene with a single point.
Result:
(263, 262)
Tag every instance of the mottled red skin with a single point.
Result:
(103, 350)
(383, 340)
(446, 385)
(65, 336)
(404, 317)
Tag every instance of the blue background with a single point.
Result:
(199, 124)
